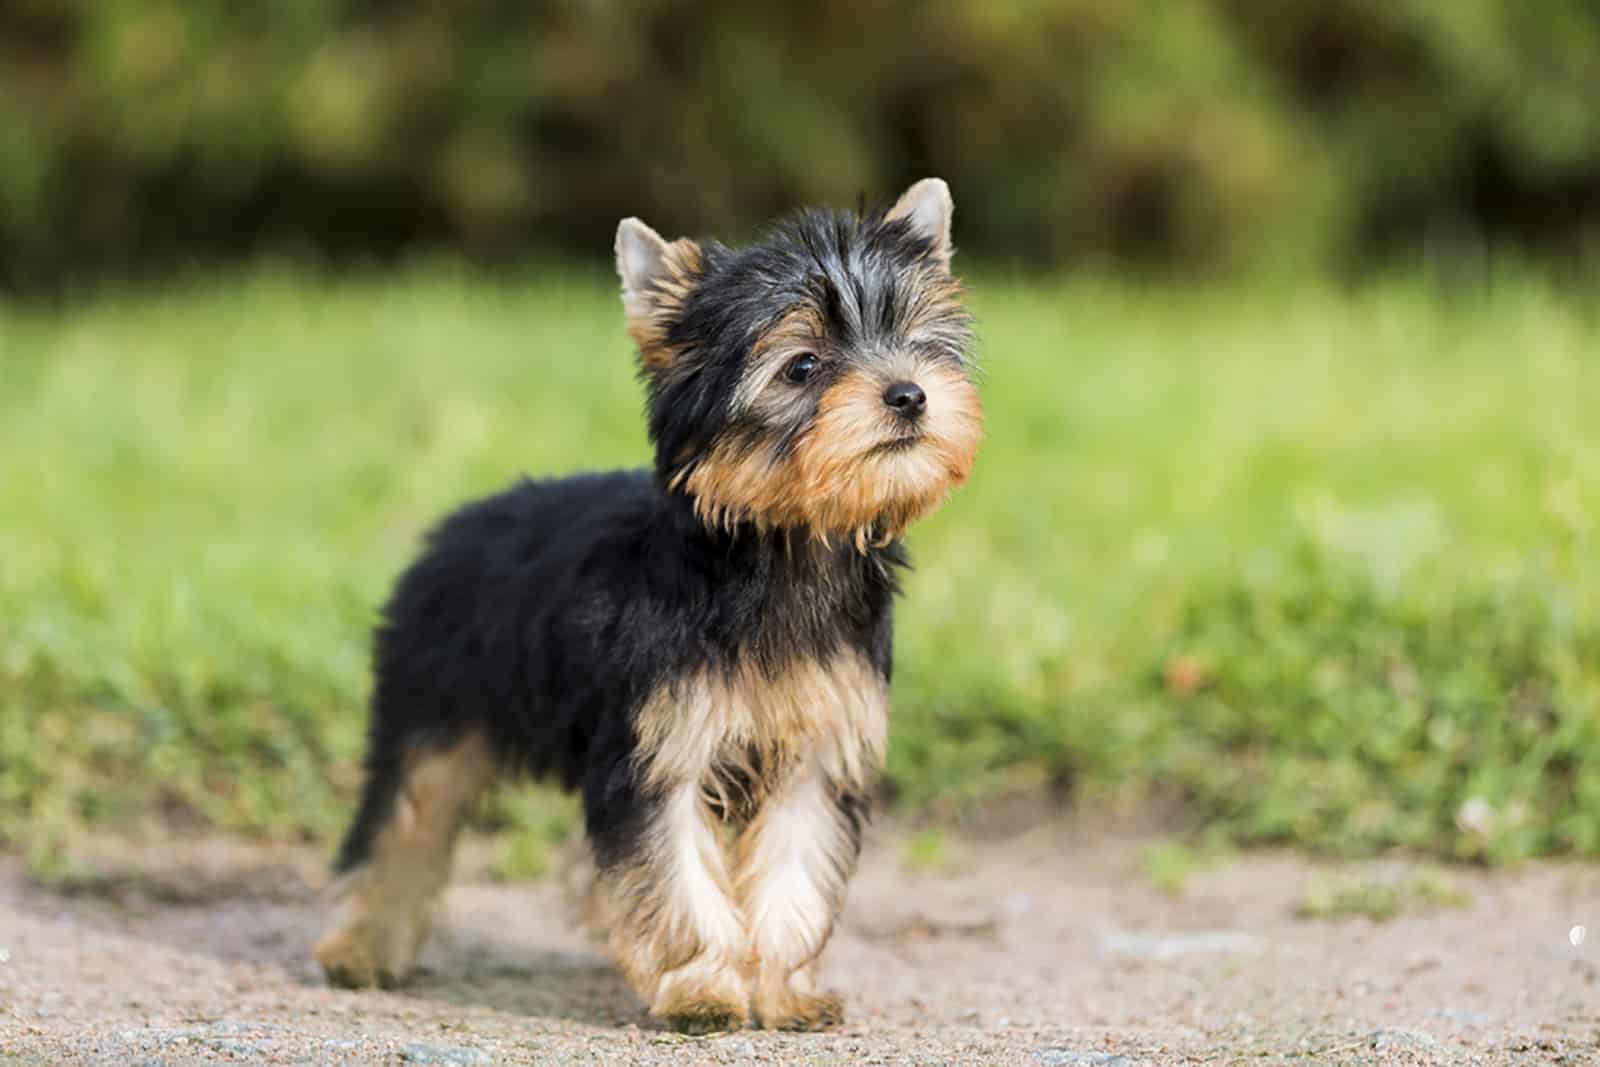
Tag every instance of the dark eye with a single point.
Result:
(801, 367)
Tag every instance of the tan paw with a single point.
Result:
(351, 960)
(698, 1020)
(346, 961)
(701, 997)
(803, 1011)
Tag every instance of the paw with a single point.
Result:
(697, 1020)
(805, 1011)
(349, 962)
(701, 998)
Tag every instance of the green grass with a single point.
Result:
(1378, 896)
(1170, 864)
(1322, 564)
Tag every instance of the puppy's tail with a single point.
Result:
(378, 798)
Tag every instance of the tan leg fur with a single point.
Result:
(388, 904)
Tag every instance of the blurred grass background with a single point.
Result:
(1286, 517)
(1319, 562)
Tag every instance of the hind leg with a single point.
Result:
(397, 859)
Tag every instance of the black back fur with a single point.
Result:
(545, 615)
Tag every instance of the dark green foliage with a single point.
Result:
(1202, 132)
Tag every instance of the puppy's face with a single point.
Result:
(817, 379)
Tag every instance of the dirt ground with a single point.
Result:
(1051, 948)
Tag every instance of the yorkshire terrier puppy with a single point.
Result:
(702, 650)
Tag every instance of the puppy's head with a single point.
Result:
(817, 379)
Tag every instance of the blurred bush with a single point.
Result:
(1195, 132)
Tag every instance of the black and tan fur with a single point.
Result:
(702, 650)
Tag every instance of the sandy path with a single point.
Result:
(1051, 949)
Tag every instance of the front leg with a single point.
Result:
(662, 894)
(795, 860)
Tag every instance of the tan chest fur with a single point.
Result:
(747, 724)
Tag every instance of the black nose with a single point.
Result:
(907, 399)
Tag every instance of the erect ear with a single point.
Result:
(926, 207)
(657, 277)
